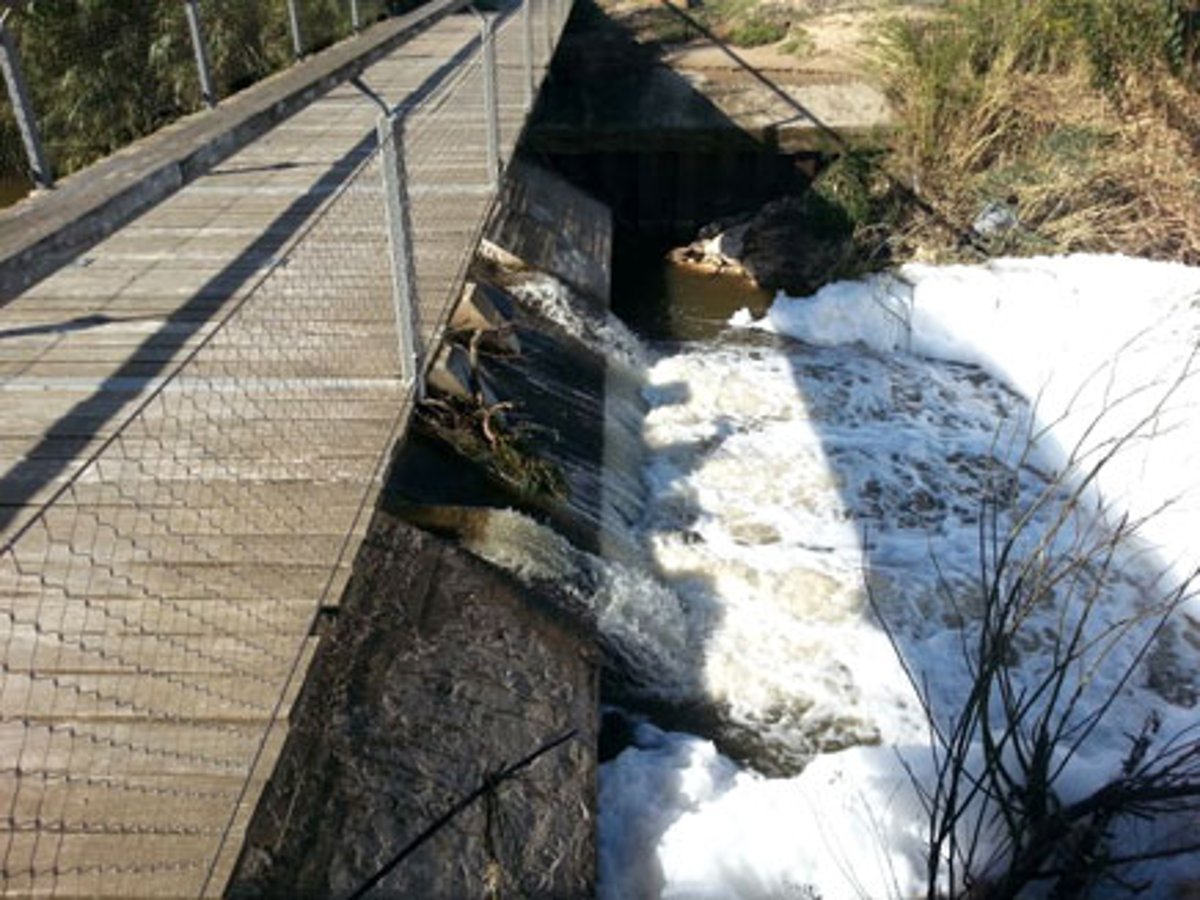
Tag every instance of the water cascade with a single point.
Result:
(752, 508)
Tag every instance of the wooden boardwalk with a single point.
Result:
(197, 413)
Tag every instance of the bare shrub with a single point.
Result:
(1005, 811)
(1077, 113)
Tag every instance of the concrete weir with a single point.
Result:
(437, 670)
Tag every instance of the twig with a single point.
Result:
(489, 784)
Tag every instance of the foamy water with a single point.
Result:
(798, 492)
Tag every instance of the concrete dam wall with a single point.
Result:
(437, 668)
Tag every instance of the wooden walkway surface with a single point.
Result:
(196, 416)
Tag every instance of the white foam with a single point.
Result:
(787, 482)
(1104, 345)
(846, 828)
(599, 329)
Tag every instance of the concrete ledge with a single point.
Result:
(43, 232)
(438, 669)
(553, 226)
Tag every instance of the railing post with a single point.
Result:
(527, 48)
(10, 66)
(294, 22)
(491, 106)
(400, 242)
(355, 17)
(207, 91)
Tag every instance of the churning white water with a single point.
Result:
(805, 485)
(602, 331)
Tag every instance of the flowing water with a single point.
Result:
(780, 480)
(791, 498)
(662, 300)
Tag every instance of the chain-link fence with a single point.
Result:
(101, 74)
(156, 609)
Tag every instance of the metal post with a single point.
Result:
(400, 242)
(207, 91)
(491, 108)
(355, 18)
(294, 21)
(10, 66)
(527, 49)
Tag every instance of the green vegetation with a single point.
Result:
(742, 23)
(798, 42)
(753, 23)
(755, 31)
(746, 23)
(103, 73)
(1079, 115)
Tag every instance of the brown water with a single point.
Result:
(699, 304)
(12, 189)
(661, 300)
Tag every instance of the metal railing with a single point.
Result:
(156, 607)
(95, 51)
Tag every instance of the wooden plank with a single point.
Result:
(138, 696)
(107, 865)
(309, 437)
(154, 804)
(55, 650)
(155, 619)
(264, 504)
(37, 412)
(125, 748)
(253, 622)
(244, 580)
(97, 538)
(230, 848)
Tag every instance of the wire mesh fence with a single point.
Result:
(101, 75)
(156, 607)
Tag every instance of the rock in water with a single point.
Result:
(795, 244)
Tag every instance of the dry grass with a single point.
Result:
(1092, 143)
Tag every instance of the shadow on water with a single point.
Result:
(658, 194)
(582, 412)
(550, 397)
(567, 394)
(664, 300)
(622, 125)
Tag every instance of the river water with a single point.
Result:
(797, 598)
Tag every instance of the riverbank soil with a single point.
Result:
(992, 129)
(825, 72)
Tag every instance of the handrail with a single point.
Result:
(44, 232)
